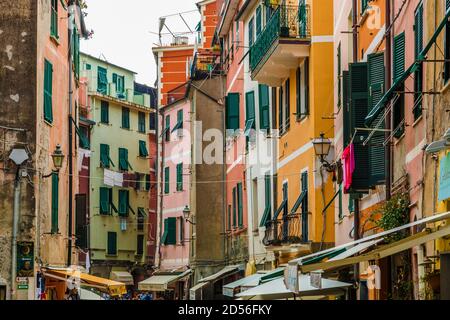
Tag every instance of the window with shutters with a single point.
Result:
(124, 203)
(358, 113)
(111, 244)
(76, 52)
(140, 245)
(447, 46)
(55, 202)
(166, 180)
(418, 74)
(376, 79)
(258, 21)
(125, 118)
(141, 219)
(102, 80)
(268, 201)
(48, 92)
(232, 102)
(251, 32)
(304, 204)
(238, 36)
(83, 137)
(285, 102)
(124, 164)
(264, 107)
(298, 90)
(301, 89)
(339, 75)
(105, 159)
(54, 19)
(147, 182)
(166, 131)
(141, 122)
(169, 234)
(179, 125)
(347, 134)
(180, 177)
(180, 229)
(119, 82)
(104, 112)
(105, 201)
(229, 217)
(143, 152)
(399, 69)
(235, 209)
(364, 5)
(240, 203)
(249, 113)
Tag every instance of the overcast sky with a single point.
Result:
(122, 31)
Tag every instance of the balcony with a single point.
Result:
(283, 43)
(290, 229)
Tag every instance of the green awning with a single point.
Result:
(373, 114)
(277, 273)
(319, 258)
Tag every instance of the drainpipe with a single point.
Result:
(70, 235)
(356, 201)
(16, 212)
(388, 80)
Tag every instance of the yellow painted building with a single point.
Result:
(291, 50)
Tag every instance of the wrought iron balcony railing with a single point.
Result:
(286, 22)
(287, 230)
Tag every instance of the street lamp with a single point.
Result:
(186, 214)
(322, 148)
(57, 158)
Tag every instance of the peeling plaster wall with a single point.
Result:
(17, 109)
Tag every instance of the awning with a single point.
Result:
(382, 251)
(356, 249)
(122, 276)
(279, 272)
(161, 282)
(196, 292)
(276, 289)
(228, 270)
(232, 288)
(114, 288)
(86, 294)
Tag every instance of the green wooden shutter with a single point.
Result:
(147, 182)
(180, 177)
(287, 105)
(264, 107)
(104, 156)
(112, 244)
(143, 152)
(251, 25)
(240, 206)
(250, 112)
(123, 159)
(125, 118)
(166, 232)
(141, 122)
(258, 21)
(102, 80)
(298, 87)
(306, 67)
(447, 46)
(55, 202)
(48, 91)
(280, 109)
(359, 110)
(346, 110)
(54, 19)
(339, 72)
(418, 74)
(123, 203)
(140, 244)
(167, 129)
(180, 118)
(399, 56)
(234, 207)
(268, 201)
(114, 78)
(104, 112)
(76, 52)
(172, 231)
(376, 90)
(232, 111)
(167, 180)
(105, 201)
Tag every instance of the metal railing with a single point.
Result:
(286, 230)
(286, 22)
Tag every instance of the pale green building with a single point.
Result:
(119, 202)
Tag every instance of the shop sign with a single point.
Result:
(22, 283)
(444, 178)
(291, 277)
(25, 259)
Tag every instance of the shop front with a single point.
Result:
(166, 285)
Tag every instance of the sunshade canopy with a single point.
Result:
(222, 273)
(229, 289)
(161, 282)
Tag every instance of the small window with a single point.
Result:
(124, 164)
(54, 19)
(87, 66)
(102, 80)
(166, 180)
(180, 177)
(48, 92)
(143, 152)
(141, 122)
(55, 201)
(124, 203)
(104, 112)
(140, 245)
(112, 244)
(125, 118)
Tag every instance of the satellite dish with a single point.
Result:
(19, 156)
